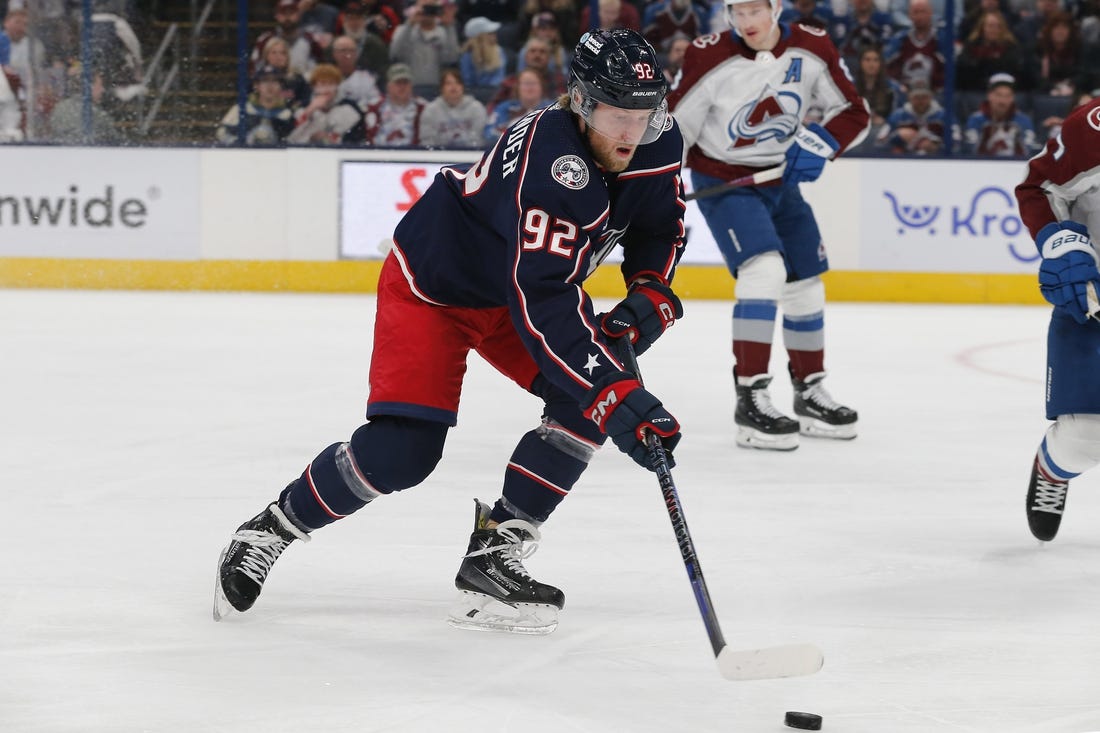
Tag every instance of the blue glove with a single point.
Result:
(806, 156)
(645, 313)
(625, 411)
(1069, 265)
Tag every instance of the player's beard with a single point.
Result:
(610, 155)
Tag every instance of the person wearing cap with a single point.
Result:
(395, 121)
(371, 50)
(268, 118)
(560, 13)
(428, 41)
(482, 59)
(545, 28)
(998, 129)
(918, 126)
(304, 50)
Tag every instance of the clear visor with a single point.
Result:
(628, 126)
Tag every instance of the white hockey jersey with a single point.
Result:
(737, 108)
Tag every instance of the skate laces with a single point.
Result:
(1050, 496)
(762, 400)
(262, 549)
(818, 395)
(515, 549)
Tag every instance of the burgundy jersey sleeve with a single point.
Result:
(847, 121)
(1067, 168)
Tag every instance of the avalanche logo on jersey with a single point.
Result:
(570, 171)
(774, 115)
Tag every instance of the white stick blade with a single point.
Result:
(791, 660)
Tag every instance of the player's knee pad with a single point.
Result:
(762, 277)
(1072, 443)
(803, 297)
(397, 453)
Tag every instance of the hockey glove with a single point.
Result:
(648, 310)
(1069, 264)
(624, 410)
(812, 146)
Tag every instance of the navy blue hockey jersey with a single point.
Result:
(525, 226)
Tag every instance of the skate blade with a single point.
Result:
(749, 438)
(817, 429)
(479, 612)
(222, 606)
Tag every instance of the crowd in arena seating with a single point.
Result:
(454, 74)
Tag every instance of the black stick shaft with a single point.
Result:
(676, 516)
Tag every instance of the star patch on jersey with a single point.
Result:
(593, 362)
(570, 171)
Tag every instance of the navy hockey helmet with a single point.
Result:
(618, 68)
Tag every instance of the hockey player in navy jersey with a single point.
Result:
(1060, 205)
(741, 100)
(493, 259)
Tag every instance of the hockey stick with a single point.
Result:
(790, 660)
(753, 179)
(1093, 301)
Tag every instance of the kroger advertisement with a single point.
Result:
(943, 216)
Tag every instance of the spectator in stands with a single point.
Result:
(974, 14)
(1032, 16)
(504, 12)
(530, 94)
(12, 111)
(863, 25)
(117, 54)
(613, 14)
(66, 121)
(27, 56)
(1060, 56)
(276, 52)
(482, 59)
(537, 58)
(304, 50)
(53, 26)
(918, 126)
(809, 12)
(663, 19)
(328, 119)
(378, 19)
(268, 118)
(371, 51)
(564, 13)
(919, 52)
(453, 120)
(318, 18)
(990, 49)
(544, 28)
(427, 42)
(674, 58)
(998, 129)
(1052, 124)
(883, 94)
(395, 121)
(358, 85)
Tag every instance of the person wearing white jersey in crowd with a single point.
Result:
(741, 101)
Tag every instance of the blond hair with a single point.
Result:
(485, 52)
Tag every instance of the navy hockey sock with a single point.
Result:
(387, 454)
(540, 474)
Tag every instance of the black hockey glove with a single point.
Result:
(648, 310)
(624, 410)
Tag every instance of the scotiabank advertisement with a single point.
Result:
(109, 203)
(374, 196)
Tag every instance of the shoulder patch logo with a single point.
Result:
(570, 171)
(1093, 118)
(708, 40)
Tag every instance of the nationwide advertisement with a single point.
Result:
(103, 203)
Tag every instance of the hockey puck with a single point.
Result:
(805, 721)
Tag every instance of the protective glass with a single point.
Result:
(627, 126)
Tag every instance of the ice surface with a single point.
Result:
(139, 429)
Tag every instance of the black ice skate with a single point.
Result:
(819, 415)
(1046, 500)
(247, 559)
(759, 424)
(496, 591)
